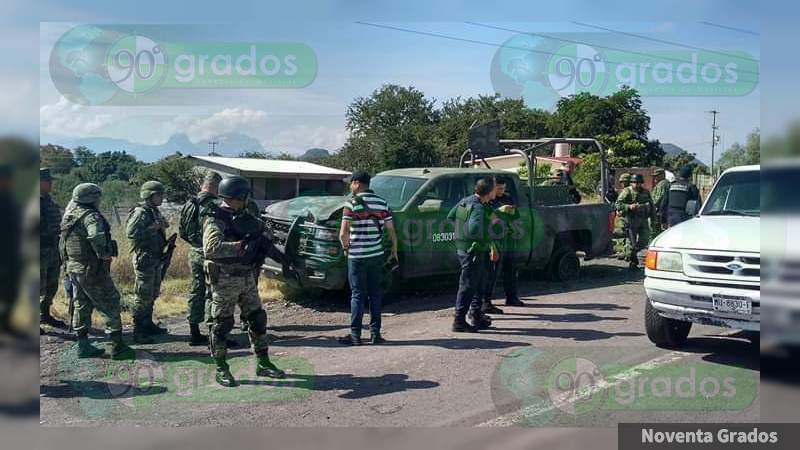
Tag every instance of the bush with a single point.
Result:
(587, 175)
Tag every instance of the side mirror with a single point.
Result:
(430, 205)
(692, 207)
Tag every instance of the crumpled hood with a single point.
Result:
(322, 208)
(723, 233)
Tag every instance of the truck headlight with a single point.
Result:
(666, 261)
(326, 235)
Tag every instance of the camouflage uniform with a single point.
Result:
(198, 293)
(147, 245)
(659, 195)
(637, 220)
(87, 248)
(49, 259)
(621, 244)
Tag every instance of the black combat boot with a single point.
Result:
(376, 339)
(479, 320)
(266, 368)
(153, 328)
(224, 376)
(47, 319)
(141, 334)
(460, 325)
(86, 349)
(119, 350)
(197, 339)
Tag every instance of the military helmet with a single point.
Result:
(151, 188)
(86, 193)
(637, 178)
(658, 171)
(235, 187)
(625, 178)
(45, 175)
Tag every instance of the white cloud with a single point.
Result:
(225, 121)
(65, 118)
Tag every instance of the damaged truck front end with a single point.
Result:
(307, 230)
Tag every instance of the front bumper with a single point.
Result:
(312, 274)
(682, 300)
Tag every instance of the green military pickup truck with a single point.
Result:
(551, 233)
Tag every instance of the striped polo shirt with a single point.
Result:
(367, 219)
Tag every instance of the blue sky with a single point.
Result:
(354, 59)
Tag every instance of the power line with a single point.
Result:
(728, 27)
(663, 41)
(633, 52)
(714, 137)
(475, 41)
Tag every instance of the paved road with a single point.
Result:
(520, 372)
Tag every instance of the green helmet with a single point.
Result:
(235, 187)
(637, 178)
(86, 193)
(625, 178)
(151, 188)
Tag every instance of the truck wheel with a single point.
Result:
(754, 337)
(662, 331)
(565, 265)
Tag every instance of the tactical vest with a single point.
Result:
(678, 194)
(156, 241)
(238, 227)
(74, 243)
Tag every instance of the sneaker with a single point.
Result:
(514, 302)
(349, 339)
(489, 308)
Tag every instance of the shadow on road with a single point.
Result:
(577, 317)
(97, 390)
(574, 334)
(465, 343)
(356, 387)
(726, 350)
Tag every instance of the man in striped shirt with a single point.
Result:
(363, 220)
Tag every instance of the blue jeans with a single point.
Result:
(365, 283)
(470, 282)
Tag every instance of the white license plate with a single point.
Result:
(731, 303)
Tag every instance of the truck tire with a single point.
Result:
(565, 265)
(662, 331)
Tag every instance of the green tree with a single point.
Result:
(118, 193)
(740, 155)
(254, 155)
(587, 174)
(178, 175)
(57, 158)
(677, 161)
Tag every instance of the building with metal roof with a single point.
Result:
(272, 179)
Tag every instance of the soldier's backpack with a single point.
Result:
(189, 228)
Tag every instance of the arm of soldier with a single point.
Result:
(214, 245)
(622, 202)
(97, 235)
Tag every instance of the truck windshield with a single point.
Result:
(736, 194)
(395, 190)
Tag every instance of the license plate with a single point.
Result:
(731, 303)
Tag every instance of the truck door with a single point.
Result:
(432, 235)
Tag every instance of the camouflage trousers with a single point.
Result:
(228, 289)
(49, 272)
(147, 286)
(95, 290)
(198, 293)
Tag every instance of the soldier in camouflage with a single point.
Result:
(231, 275)
(87, 249)
(659, 196)
(49, 259)
(621, 245)
(146, 229)
(635, 205)
(191, 230)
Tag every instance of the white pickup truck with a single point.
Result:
(707, 270)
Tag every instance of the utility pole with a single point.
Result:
(714, 138)
(213, 145)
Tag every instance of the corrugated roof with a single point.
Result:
(268, 166)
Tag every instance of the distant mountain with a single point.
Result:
(314, 154)
(229, 144)
(672, 150)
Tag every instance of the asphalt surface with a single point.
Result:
(575, 356)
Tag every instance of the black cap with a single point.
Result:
(45, 175)
(637, 178)
(359, 175)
